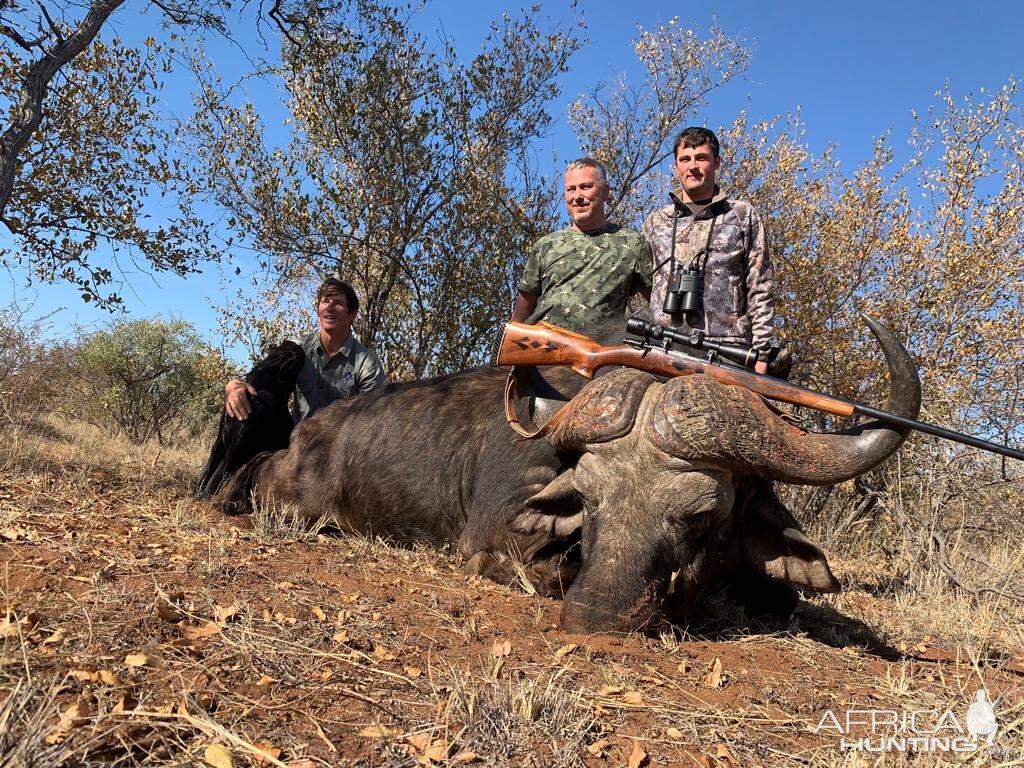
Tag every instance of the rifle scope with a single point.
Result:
(737, 354)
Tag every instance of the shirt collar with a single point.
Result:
(346, 348)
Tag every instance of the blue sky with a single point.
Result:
(855, 71)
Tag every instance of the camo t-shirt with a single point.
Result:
(587, 276)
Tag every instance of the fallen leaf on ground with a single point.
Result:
(713, 679)
(418, 741)
(637, 757)
(136, 660)
(378, 732)
(217, 756)
(169, 613)
(502, 648)
(610, 690)
(319, 613)
(413, 672)
(565, 650)
(673, 733)
(205, 630)
(598, 747)
(268, 750)
(438, 751)
(465, 757)
(74, 716)
(222, 615)
(633, 697)
(723, 753)
(56, 638)
(125, 704)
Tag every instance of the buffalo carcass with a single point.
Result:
(269, 424)
(636, 482)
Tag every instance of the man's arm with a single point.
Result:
(370, 376)
(526, 303)
(236, 400)
(643, 281)
(760, 291)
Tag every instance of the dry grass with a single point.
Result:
(143, 628)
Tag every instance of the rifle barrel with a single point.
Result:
(932, 429)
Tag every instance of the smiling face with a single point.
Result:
(696, 167)
(585, 196)
(334, 315)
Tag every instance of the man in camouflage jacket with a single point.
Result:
(588, 271)
(725, 239)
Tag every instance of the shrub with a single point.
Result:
(30, 371)
(149, 378)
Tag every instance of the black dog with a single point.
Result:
(269, 425)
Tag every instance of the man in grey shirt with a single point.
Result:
(336, 365)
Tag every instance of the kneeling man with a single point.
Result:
(312, 371)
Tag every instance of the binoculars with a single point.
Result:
(685, 290)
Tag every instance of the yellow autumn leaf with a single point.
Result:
(55, 638)
(217, 756)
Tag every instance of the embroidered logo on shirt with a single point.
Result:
(348, 378)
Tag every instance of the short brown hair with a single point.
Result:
(695, 136)
(332, 286)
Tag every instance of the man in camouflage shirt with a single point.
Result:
(723, 238)
(587, 271)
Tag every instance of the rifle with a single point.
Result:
(546, 344)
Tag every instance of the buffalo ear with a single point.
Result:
(555, 509)
(772, 544)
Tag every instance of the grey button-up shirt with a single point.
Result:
(353, 370)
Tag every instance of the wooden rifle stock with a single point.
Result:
(546, 344)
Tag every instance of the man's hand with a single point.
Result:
(236, 400)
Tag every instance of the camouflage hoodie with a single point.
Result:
(738, 305)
